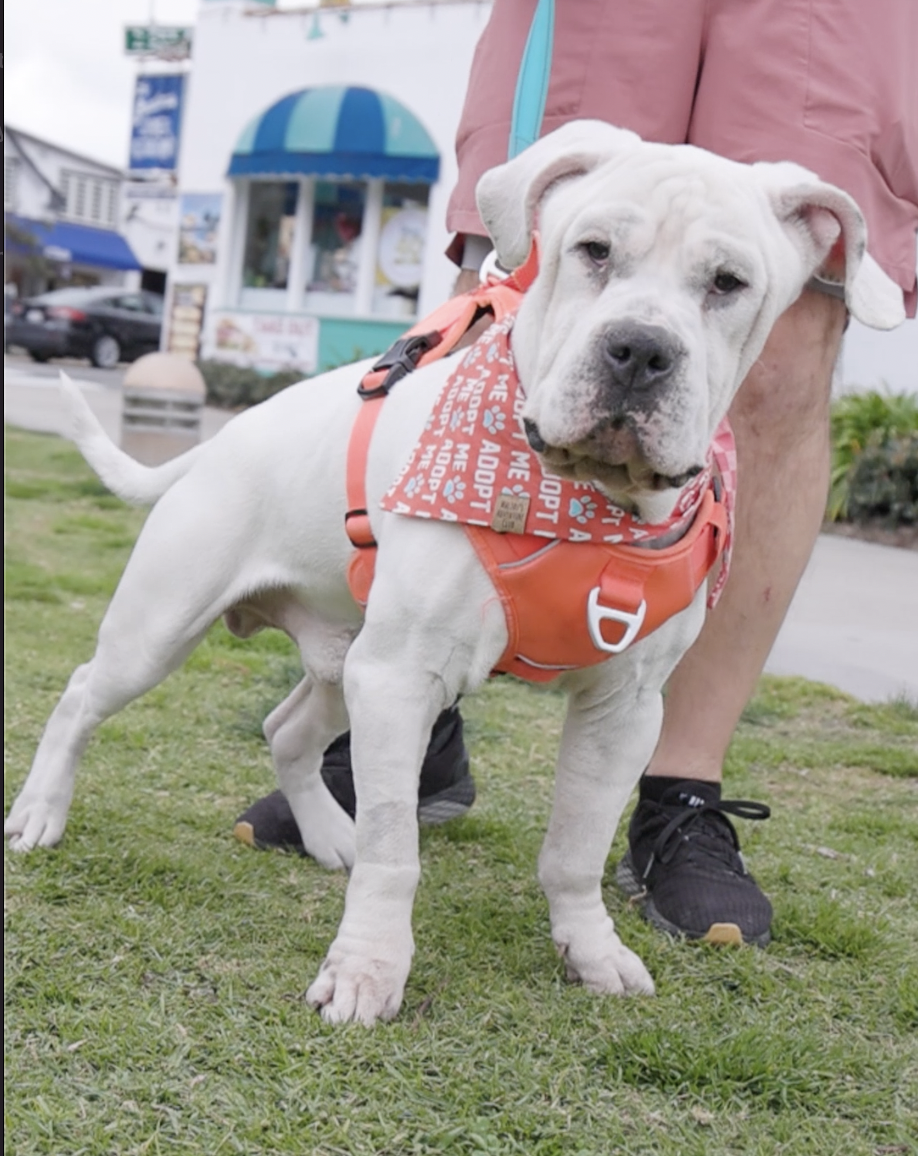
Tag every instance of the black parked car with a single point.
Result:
(105, 325)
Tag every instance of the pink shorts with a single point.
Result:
(830, 84)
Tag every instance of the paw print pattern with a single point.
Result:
(414, 484)
(582, 509)
(493, 419)
(453, 490)
(516, 491)
(456, 418)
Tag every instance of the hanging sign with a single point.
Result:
(156, 122)
(164, 41)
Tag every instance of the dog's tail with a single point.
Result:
(131, 480)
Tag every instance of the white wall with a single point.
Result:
(149, 223)
(244, 63)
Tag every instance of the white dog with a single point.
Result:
(699, 253)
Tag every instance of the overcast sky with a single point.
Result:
(66, 75)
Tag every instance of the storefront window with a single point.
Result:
(333, 264)
(334, 248)
(269, 235)
(400, 251)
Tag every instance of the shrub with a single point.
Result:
(233, 387)
(874, 439)
(884, 483)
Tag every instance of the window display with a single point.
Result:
(269, 235)
(400, 252)
(334, 248)
(333, 265)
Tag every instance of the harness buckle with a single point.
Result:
(400, 359)
(596, 615)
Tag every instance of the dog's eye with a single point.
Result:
(725, 283)
(597, 251)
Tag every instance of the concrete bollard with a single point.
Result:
(163, 398)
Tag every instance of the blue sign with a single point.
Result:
(156, 122)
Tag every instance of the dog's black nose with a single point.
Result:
(640, 357)
(533, 436)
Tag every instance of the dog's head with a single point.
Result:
(662, 271)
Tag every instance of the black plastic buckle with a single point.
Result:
(400, 359)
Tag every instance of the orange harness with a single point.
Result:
(567, 604)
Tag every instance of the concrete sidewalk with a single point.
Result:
(853, 622)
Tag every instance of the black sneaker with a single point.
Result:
(446, 789)
(684, 865)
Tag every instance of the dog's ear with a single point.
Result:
(829, 230)
(508, 196)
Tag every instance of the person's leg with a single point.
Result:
(780, 419)
(446, 789)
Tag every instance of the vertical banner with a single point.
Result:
(156, 122)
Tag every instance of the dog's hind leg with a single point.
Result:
(309, 718)
(298, 731)
(167, 598)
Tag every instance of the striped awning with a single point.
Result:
(339, 132)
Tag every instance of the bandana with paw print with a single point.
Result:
(473, 464)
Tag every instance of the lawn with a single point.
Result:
(155, 968)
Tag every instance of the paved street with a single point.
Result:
(19, 368)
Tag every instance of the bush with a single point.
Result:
(884, 483)
(232, 387)
(874, 448)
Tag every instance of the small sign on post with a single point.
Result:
(167, 42)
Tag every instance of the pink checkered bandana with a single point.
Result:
(473, 464)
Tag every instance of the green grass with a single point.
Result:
(155, 968)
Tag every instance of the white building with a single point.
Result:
(62, 212)
(316, 161)
(317, 157)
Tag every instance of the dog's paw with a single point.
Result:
(35, 822)
(599, 960)
(364, 986)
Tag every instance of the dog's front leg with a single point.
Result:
(609, 735)
(392, 709)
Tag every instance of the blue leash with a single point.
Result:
(532, 81)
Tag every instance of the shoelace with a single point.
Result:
(682, 825)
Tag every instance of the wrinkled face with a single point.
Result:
(658, 285)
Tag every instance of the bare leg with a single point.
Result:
(780, 418)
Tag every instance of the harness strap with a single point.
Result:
(428, 341)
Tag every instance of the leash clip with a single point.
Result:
(596, 615)
(400, 359)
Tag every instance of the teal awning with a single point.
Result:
(340, 132)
